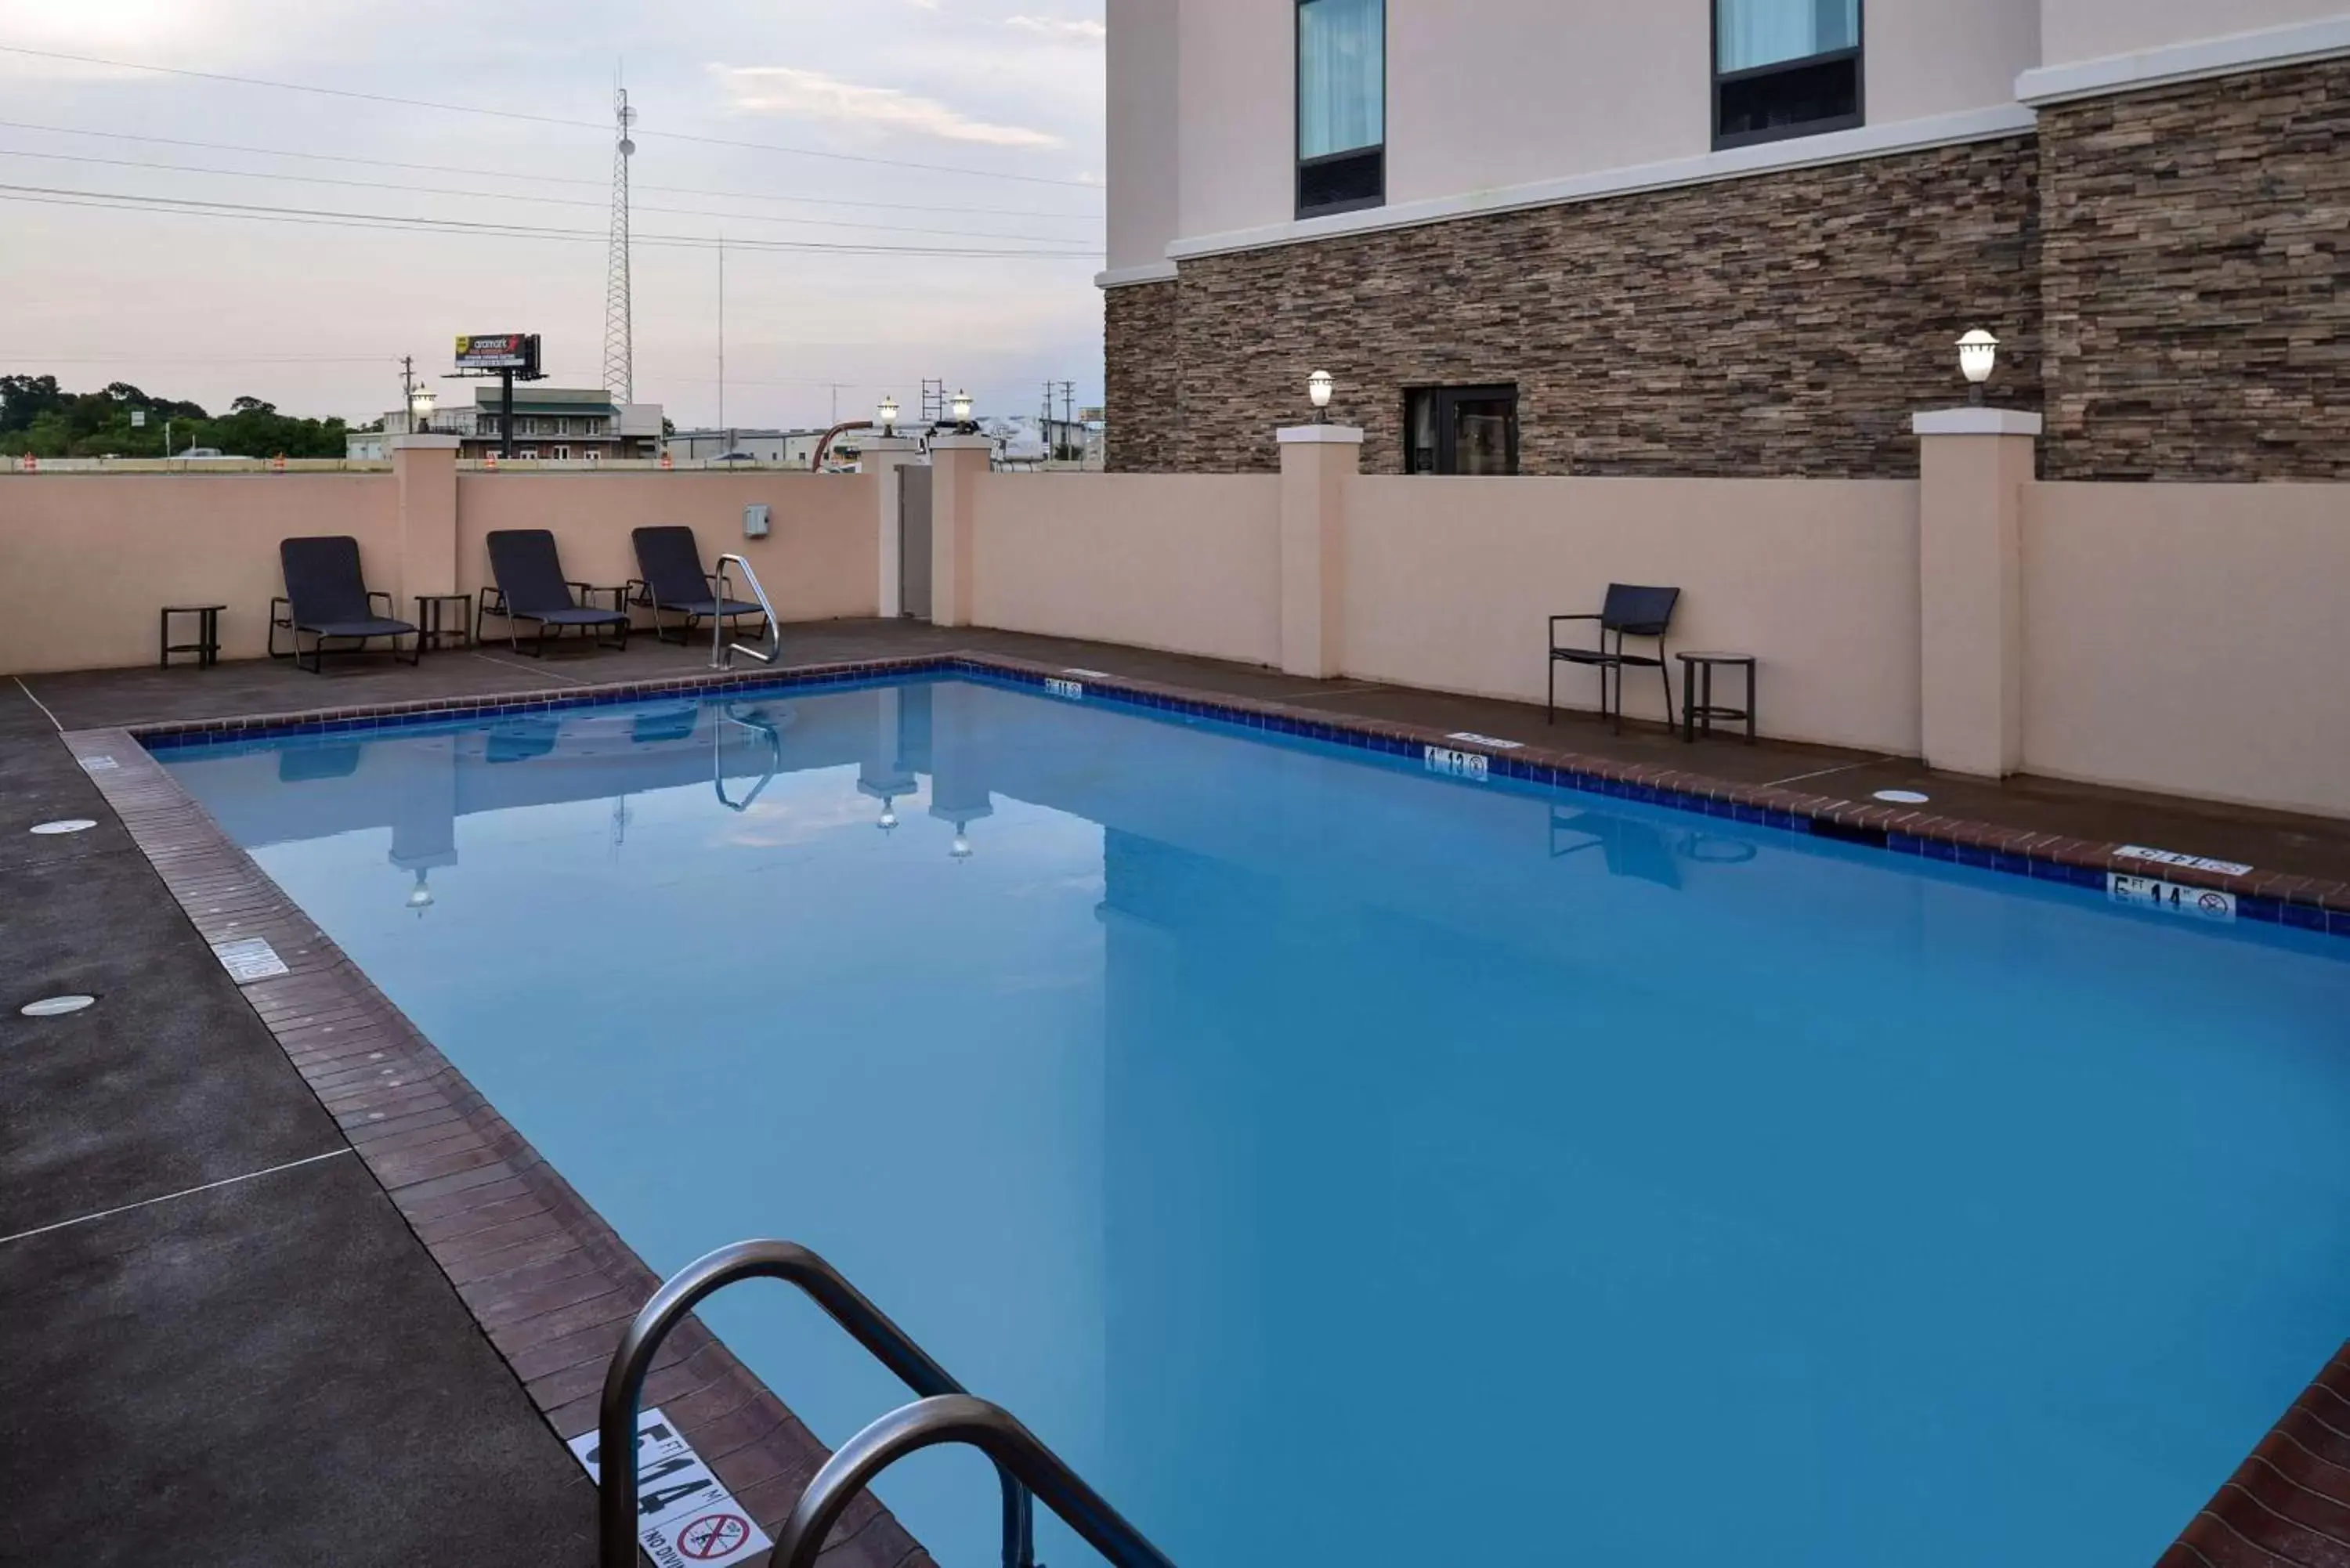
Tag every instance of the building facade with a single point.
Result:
(555, 424)
(1729, 236)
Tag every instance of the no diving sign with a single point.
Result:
(685, 1516)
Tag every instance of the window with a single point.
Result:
(1342, 91)
(562, 454)
(1785, 67)
(1460, 430)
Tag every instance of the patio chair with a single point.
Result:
(1628, 611)
(530, 585)
(326, 596)
(674, 583)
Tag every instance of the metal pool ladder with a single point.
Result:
(942, 1412)
(721, 652)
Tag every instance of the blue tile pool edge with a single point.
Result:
(2296, 902)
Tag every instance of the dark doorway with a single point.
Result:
(1460, 430)
(914, 541)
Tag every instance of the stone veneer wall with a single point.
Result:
(1784, 324)
(1138, 340)
(2196, 283)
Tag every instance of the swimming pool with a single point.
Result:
(1340, 1162)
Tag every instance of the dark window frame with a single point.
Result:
(1858, 55)
(1300, 164)
(1447, 394)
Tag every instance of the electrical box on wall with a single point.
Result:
(754, 520)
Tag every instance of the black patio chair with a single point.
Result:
(674, 583)
(1628, 611)
(326, 596)
(530, 585)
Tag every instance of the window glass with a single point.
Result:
(1750, 33)
(1341, 76)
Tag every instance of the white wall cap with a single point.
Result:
(1976, 421)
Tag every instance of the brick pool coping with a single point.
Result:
(552, 1286)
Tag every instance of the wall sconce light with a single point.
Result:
(1317, 388)
(1978, 353)
(886, 416)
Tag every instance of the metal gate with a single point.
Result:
(914, 542)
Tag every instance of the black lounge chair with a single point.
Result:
(1628, 611)
(674, 583)
(326, 596)
(531, 587)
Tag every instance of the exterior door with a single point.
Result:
(914, 542)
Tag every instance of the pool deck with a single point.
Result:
(283, 1289)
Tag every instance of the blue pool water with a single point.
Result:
(1338, 1163)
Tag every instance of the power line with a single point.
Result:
(532, 118)
(539, 178)
(328, 217)
(518, 196)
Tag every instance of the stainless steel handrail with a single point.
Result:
(957, 1418)
(718, 756)
(624, 1380)
(721, 652)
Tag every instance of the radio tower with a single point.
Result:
(619, 353)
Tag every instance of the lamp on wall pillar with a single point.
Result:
(960, 407)
(1978, 353)
(420, 410)
(886, 416)
(1317, 388)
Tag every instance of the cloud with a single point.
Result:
(788, 91)
(1079, 31)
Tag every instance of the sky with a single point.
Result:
(998, 103)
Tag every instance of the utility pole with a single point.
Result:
(721, 333)
(408, 385)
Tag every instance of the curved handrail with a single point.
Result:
(624, 1380)
(957, 1418)
(721, 652)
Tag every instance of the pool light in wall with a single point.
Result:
(1317, 388)
(1978, 353)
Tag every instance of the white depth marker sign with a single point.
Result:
(685, 1516)
(2153, 892)
(248, 958)
(2172, 858)
(1460, 764)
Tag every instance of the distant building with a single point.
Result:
(555, 424)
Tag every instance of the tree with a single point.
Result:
(38, 416)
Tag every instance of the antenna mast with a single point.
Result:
(619, 351)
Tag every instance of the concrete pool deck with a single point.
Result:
(199, 1355)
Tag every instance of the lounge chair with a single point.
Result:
(1628, 611)
(326, 596)
(530, 585)
(674, 583)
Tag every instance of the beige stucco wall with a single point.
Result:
(820, 560)
(1528, 90)
(87, 560)
(1141, 130)
(1448, 586)
(1189, 563)
(2074, 30)
(2186, 639)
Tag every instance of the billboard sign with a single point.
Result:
(498, 351)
